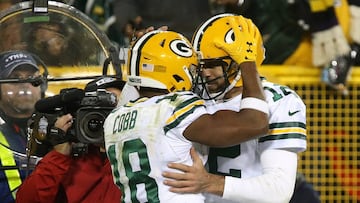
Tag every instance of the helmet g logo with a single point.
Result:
(181, 48)
(229, 36)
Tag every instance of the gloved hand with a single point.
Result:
(243, 47)
(355, 23)
(328, 38)
(58, 133)
(329, 44)
(57, 136)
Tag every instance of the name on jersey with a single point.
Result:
(125, 121)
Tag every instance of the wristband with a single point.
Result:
(254, 103)
(57, 136)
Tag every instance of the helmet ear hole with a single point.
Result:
(178, 78)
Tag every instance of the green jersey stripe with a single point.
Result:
(287, 124)
(283, 136)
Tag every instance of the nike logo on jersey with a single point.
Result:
(292, 113)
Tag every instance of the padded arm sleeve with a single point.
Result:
(276, 184)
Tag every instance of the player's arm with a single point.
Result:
(226, 128)
(276, 184)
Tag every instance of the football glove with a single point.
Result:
(355, 23)
(243, 48)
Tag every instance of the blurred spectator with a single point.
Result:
(51, 37)
(17, 103)
(226, 6)
(5, 4)
(181, 16)
(11, 32)
(102, 13)
(278, 23)
(52, 41)
(63, 42)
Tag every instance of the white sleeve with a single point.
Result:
(276, 184)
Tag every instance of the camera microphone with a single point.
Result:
(65, 97)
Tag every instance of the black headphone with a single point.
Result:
(43, 82)
(115, 60)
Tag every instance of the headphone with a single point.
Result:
(43, 82)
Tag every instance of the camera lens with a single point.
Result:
(90, 126)
(95, 125)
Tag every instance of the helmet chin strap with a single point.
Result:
(218, 96)
(128, 93)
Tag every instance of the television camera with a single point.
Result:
(89, 110)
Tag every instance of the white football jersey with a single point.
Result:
(142, 137)
(287, 130)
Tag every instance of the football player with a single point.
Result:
(261, 169)
(161, 126)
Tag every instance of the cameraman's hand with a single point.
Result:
(64, 122)
(58, 135)
(244, 47)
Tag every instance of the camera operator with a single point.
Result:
(62, 177)
(17, 101)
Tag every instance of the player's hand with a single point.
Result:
(149, 29)
(243, 47)
(191, 179)
(140, 33)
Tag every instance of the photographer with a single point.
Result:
(62, 177)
